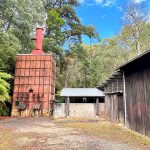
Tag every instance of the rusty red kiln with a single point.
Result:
(34, 83)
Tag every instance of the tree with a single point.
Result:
(63, 31)
(9, 47)
(21, 17)
(63, 23)
(134, 19)
(89, 66)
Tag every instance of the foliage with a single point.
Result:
(89, 66)
(63, 27)
(63, 31)
(9, 47)
(69, 23)
(4, 93)
(21, 17)
(4, 87)
(134, 18)
(4, 110)
(54, 40)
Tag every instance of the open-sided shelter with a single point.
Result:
(82, 102)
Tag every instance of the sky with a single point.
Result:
(104, 15)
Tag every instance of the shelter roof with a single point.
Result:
(81, 92)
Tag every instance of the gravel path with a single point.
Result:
(44, 134)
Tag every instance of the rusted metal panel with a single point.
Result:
(22, 72)
(19, 64)
(36, 73)
(46, 88)
(37, 64)
(40, 88)
(16, 88)
(37, 80)
(42, 64)
(27, 64)
(32, 72)
(16, 81)
(17, 72)
(23, 64)
(21, 80)
(26, 80)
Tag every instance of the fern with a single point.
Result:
(4, 87)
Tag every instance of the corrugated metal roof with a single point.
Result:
(81, 92)
(134, 59)
(116, 74)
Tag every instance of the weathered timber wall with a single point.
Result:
(114, 107)
(138, 101)
(114, 85)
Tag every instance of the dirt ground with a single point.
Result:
(47, 134)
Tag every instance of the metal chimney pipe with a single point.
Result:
(39, 38)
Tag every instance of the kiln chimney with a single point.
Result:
(39, 39)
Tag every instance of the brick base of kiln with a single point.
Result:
(30, 113)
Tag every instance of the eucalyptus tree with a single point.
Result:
(135, 19)
(63, 30)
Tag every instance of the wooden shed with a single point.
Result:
(135, 78)
(114, 105)
(137, 93)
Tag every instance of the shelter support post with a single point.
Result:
(68, 106)
(97, 107)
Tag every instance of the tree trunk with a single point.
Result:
(138, 46)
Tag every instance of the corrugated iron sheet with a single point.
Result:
(81, 92)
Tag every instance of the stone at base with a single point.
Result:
(29, 113)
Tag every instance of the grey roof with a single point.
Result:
(116, 74)
(81, 92)
(134, 59)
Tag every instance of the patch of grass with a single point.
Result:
(107, 131)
